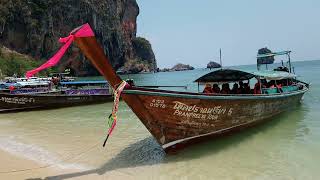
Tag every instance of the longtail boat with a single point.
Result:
(86, 92)
(177, 118)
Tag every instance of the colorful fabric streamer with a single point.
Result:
(112, 119)
(84, 31)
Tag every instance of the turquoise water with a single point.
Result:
(285, 148)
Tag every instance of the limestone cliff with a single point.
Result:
(33, 27)
(144, 58)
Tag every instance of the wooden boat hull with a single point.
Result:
(9, 102)
(175, 119)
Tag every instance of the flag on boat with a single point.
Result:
(83, 31)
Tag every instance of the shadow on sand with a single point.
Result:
(148, 152)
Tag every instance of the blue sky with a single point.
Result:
(192, 32)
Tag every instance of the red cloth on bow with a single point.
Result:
(84, 31)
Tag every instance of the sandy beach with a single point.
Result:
(16, 168)
(11, 163)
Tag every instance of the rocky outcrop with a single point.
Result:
(267, 59)
(33, 27)
(212, 65)
(144, 60)
(144, 53)
(178, 67)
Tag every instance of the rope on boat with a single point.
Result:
(112, 119)
(53, 164)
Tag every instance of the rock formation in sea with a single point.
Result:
(33, 27)
(213, 64)
(145, 60)
(265, 60)
(178, 67)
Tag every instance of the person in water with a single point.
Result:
(207, 89)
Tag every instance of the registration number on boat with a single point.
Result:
(157, 103)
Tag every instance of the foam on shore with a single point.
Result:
(37, 154)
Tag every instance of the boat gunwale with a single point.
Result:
(191, 95)
(52, 94)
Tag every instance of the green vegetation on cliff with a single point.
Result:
(143, 51)
(16, 64)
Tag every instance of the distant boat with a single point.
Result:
(68, 94)
(177, 118)
(35, 83)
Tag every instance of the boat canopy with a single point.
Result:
(231, 75)
(225, 75)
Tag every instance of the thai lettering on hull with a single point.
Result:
(16, 100)
(193, 111)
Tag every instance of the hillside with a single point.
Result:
(13, 63)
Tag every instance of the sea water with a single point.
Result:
(71, 138)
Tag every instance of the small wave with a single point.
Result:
(36, 153)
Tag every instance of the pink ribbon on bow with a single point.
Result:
(84, 31)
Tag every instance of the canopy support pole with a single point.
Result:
(198, 88)
(289, 58)
(260, 85)
(220, 58)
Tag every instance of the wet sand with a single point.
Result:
(13, 167)
(10, 163)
